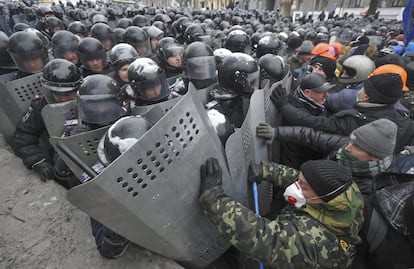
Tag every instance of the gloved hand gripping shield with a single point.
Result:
(150, 193)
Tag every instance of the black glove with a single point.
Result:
(278, 96)
(61, 170)
(210, 174)
(255, 173)
(267, 132)
(44, 169)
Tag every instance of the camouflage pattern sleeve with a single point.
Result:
(292, 240)
(279, 174)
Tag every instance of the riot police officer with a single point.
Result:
(120, 58)
(60, 80)
(92, 57)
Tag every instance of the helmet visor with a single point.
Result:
(99, 109)
(153, 90)
(173, 51)
(201, 68)
(143, 48)
(31, 62)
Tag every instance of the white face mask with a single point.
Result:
(294, 195)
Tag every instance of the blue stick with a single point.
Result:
(256, 206)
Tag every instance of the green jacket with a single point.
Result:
(318, 236)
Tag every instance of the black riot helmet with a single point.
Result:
(64, 41)
(43, 11)
(160, 25)
(180, 25)
(294, 40)
(104, 33)
(99, 18)
(119, 35)
(89, 49)
(5, 59)
(54, 25)
(272, 67)
(194, 32)
(199, 65)
(139, 39)
(148, 82)
(28, 50)
(122, 54)
(124, 23)
(268, 44)
(60, 78)
(78, 28)
(238, 41)
(239, 74)
(98, 100)
(140, 21)
(121, 136)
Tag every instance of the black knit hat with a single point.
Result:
(328, 65)
(384, 88)
(327, 178)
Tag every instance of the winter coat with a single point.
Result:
(292, 154)
(296, 238)
(344, 122)
(30, 128)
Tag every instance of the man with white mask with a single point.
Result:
(318, 229)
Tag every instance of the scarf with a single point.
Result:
(343, 215)
(363, 168)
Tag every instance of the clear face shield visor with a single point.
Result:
(100, 109)
(201, 68)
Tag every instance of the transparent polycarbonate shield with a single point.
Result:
(16, 97)
(150, 193)
(57, 115)
(244, 146)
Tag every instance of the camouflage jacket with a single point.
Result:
(314, 237)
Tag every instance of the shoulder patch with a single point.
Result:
(27, 114)
(344, 245)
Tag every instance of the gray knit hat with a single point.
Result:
(377, 138)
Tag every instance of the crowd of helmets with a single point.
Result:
(116, 57)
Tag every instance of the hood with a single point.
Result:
(343, 215)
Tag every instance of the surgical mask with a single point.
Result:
(294, 195)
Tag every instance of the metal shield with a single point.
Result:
(244, 146)
(16, 97)
(55, 115)
(150, 193)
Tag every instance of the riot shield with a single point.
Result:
(244, 146)
(55, 115)
(16, 97)
(150, 193)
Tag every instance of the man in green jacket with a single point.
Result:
(319, 229)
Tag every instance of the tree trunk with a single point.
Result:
(373, 5)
